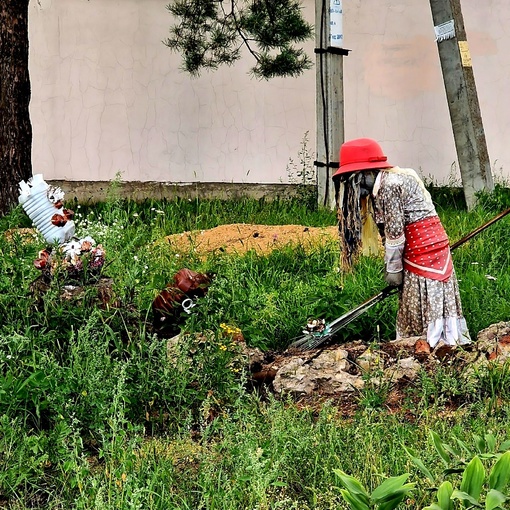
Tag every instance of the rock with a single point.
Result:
(494, 341)
(254, 355)
(327, 374)
(294, 378)
(369, 361)
(407, 367)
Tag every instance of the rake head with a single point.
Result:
(313, 339)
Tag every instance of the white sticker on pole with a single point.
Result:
(336, 35)
(445, 31)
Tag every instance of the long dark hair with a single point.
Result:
(349, 214)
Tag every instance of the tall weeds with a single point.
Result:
(98, 411)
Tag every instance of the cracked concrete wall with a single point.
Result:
(394, 89)
(108, 96)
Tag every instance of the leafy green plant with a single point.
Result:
(456, 456)
(478, 486)
(387, 496)
(475, 480)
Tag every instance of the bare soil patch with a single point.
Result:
(242, 237)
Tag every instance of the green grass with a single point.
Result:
(96, 411)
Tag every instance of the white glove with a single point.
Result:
(394, 279)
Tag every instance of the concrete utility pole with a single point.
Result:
(330, 95)
(462, 98)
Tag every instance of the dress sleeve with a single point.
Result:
(390, 212)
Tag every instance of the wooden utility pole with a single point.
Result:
(462, 98)
(330, 95)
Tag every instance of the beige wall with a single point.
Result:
(108, 96)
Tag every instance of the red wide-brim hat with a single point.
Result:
(361, 154)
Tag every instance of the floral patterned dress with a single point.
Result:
(428, 308)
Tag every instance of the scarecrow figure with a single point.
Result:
(417, 251)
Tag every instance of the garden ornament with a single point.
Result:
(313, 337)
(179, 296)
(44, 206)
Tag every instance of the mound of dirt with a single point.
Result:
(243, 237)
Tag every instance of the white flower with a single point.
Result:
(72, 249)
(489, 277)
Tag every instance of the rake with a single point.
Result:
(313, 339)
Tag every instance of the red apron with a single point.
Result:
(427, 249)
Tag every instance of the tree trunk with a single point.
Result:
(15, 127)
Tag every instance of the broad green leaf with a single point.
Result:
(473, 478)
(419, 464)
(444, 494)
(439, 447)
(352, 485)
(491, 442)
(505, 446)
(494, 500)
(391, 504)
(464, 496)
(353, 500)
(479, 443)
(389, 488)
(500, 472)
(433, 506)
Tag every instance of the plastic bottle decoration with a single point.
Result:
(43, 204)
